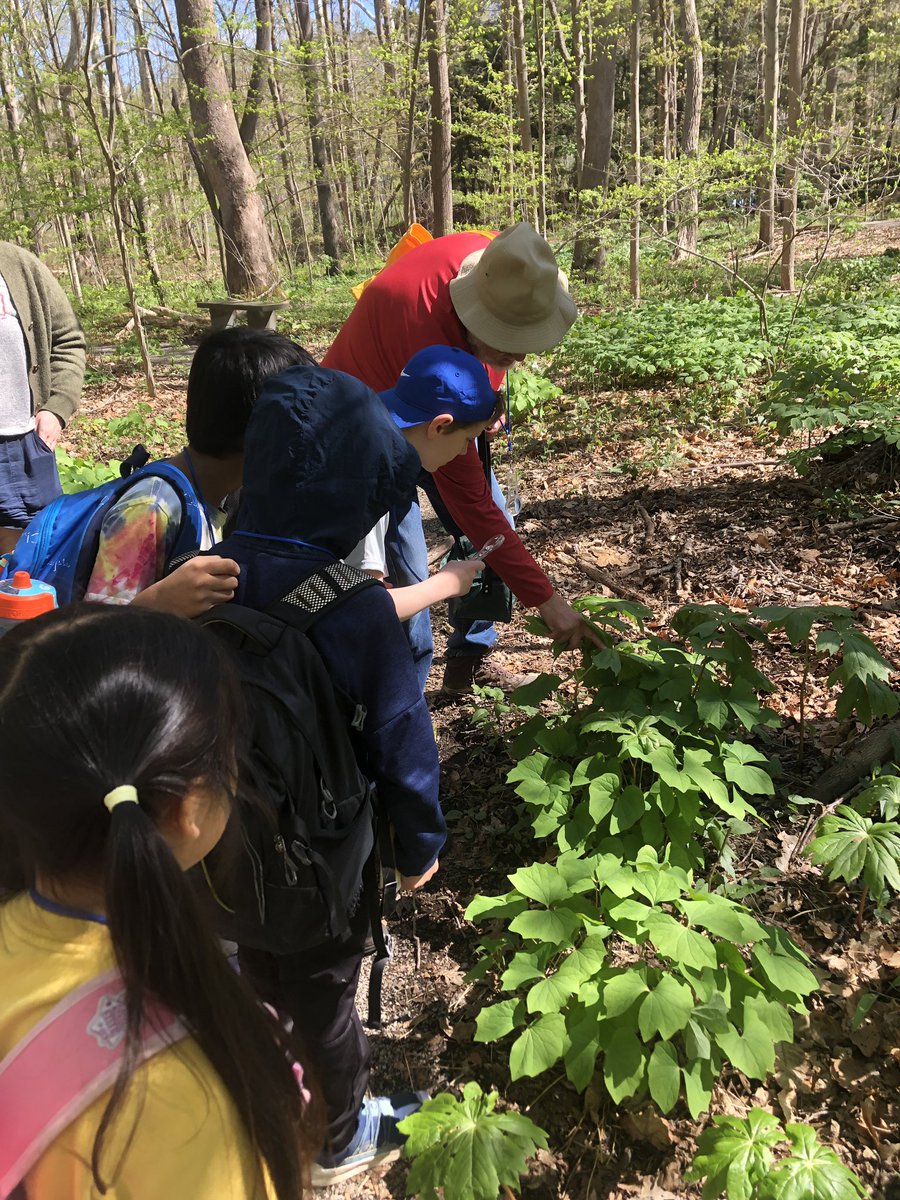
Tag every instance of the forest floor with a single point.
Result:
(737, 529)
(718, 517)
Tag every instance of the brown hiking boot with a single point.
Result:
(464, 672)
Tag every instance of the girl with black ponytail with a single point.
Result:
(117, 768)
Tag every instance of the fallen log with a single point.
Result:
(876, 747)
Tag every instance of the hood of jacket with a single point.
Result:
(323, 460)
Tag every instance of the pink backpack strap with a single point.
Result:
(68, 1060)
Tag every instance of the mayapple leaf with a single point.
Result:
(734, 1153)
(466, 1148)
(530, 695)
(850, 845)
(810, 1172)
(798, 622)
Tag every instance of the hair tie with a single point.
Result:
(126, 794)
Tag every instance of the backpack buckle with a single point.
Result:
(329, 808)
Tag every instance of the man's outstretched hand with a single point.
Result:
(566, 625)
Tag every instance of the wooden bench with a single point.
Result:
(261, 314)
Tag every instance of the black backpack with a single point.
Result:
(308, 831)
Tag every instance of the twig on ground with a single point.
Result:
(649, 523)
(617, 588)
(888, 524)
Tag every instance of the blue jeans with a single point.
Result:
(407, 561)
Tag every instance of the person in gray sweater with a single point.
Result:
(42, 356)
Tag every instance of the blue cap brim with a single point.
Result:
(404, 415)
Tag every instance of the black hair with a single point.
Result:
(96, 696)
(227, 373)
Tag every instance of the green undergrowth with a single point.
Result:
(622, 953)
(104, 441)
(736, 1160)
(826, 366)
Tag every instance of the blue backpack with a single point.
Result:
(60, 544)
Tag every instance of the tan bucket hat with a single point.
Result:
(512, 295)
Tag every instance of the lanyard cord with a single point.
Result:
(507, 424)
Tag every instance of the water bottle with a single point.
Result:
(22, 597)
(512, 494)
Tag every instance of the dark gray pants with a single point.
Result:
(317, 990)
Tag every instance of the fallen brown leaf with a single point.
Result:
(647, 1126)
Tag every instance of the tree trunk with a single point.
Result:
(730, 42)
(136, 188)
(439, 77)
(406, 162)
(332, 240)
(14, 126)
(249, 262)
(768, 133)
(634, 124)
(540, 40)
(577, 70)
(688, 206)
(520, 60)
(666, 95)
(792, 171)
(149, 95)
(291, 190)
(104, 126)
(601, 101)
(258, 73)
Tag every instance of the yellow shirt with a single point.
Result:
(189, 1142)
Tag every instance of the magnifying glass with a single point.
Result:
(490, 546)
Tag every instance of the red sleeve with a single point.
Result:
(465, 491)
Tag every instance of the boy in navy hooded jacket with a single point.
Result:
(323, 462)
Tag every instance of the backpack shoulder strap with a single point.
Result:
(256, 632)
(67, 1061)
(316, 595)
(193, 516)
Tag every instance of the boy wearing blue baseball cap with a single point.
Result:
(441, 403)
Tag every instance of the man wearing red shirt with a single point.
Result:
(500, 299)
